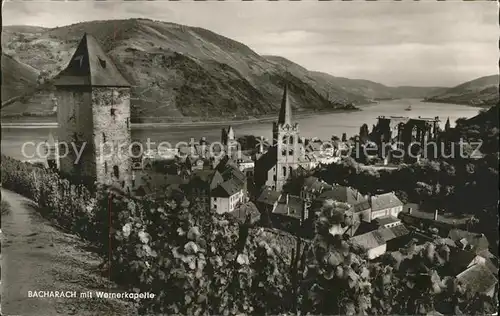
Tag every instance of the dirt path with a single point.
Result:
(38, 257)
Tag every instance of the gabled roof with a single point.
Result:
(361, 206)
(209, 177)
(246, 211)
(461, 259)
(267, 161)
(384, 201)
(478, 278)
(268, 196)
(90, 66)
(385, 220)
(285, 116)
(369, 240)
(227, 188)
(478, 242)
(393, 232)
(314, 184)
(294, 208)
(342, 194)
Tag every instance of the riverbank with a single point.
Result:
(44, 123)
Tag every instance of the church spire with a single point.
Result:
(285, 116)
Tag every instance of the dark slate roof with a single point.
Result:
(268, 196)
(227, 188)
(384, 201)
(460, 259)
(294, 208)
(477, 241)
(267, 161)
(361, 206)
(478, 278)
(285, 115)
(314, 184)
(342, 194)
(90, 66)
(384, 220)
(369, 240)
(442, 218)
(386, 234)
(247, 210)
(400, 230)
(210, 177)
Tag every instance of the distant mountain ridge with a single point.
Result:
(483, 91)
(17, 78)
(182, 71)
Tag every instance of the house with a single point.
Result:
(478, 279)
(468, 240)
(372, 243)
(246, 214)
(290, 214)
(363, 211)
(267, 200)
(201, 184)
(313, 187)
(228, 169)
(245, 162)
(227, 195)
(340, 193)
(395, 236)
(413, 216)
(386, 204)
(460, 260)
(387, 221)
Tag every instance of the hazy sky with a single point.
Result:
(395, 43)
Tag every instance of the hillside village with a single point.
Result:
(271, 185)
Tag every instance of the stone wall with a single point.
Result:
(111, 118)
(75, 121)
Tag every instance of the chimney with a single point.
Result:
(305, 211)
(435, 215)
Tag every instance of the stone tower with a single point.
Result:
(93, 115)
(286, 140)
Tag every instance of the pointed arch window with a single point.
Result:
(284, 171)
(116, 171)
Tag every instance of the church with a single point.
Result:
(275, 166)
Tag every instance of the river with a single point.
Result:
(322, 126)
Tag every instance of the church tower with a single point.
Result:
(286, 141)
(93, 115)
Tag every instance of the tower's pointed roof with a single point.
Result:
(285, 116)
(230, 132)
(50, 140)
(90, 66)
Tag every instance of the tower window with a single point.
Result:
(285, 140)
(290, 141)
(290, 152)
(291, 169)
(102, 62)
(116, 171)
(283, 152)
(103, 137)
(113, 111)
(284, 171)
